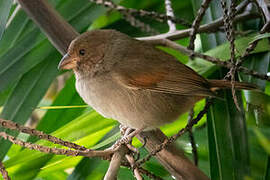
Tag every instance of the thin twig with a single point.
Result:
(136, 171)
(232, 47)
(169, 13)
(192, 122)
(196, 23)
(191, 138)
(115, 163)
(57, 151)
(265, 13)
(41, 135)
(241, 7)
(10, 19)
(149, 174)
(228, 16)
(174, 137)
(217, 61)
(139, 24)
(142, 171)
(141, 13)
(206, 28)
(4, 172)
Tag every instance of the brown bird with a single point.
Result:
(133, 82)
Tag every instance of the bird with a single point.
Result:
(134, 82)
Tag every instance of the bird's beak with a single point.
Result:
(67, 62)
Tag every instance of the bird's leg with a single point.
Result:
(126, 139)
(123, 129)
(129, 135)
(127, 132)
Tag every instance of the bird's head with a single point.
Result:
(87, 51)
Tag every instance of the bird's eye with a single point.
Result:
(82, 52)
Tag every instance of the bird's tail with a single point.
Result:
(224, 84)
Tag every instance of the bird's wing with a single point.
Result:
(169, 76)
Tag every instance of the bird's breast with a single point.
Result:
(133, 108)
(95, 92)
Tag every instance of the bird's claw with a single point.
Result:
(125, 140)
(123, 129)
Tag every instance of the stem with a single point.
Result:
(215, 25)
(169, 13)
(58, 31)
(115, 163)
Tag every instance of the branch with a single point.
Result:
(136, 169)
(41, 135)
(266, 15)
(265, 12)
(215, 25)
(171, 158)
(4, 172)
(169, 13)
(228, 16)
(115, 163)
(169, 141)
(219, 62)
(139, 24)
(192, 139)
(57, 151)
(141, 13)
(196, 23)
(150, 175)
(58, 31)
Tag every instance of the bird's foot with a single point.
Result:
(128, 134)
(125, 140)
(123, 129)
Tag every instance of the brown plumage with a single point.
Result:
(133, 82)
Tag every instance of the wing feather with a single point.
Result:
(160, 72)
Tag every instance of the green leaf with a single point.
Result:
(56, 163)
(260, 36)
(222, 52)
(267, 170)
(5, 6)
(265, 143)
(108, 140)
(259, 103)
(255, 115)
(85, 130)
(259, 62)
(21, 58)
(16, 61)
(230, 138)
(61, 107)
(30, 170)
(27, 94)
(13, 31)
(227, 137)
(84, 168)
(55, 119)
(215, 174)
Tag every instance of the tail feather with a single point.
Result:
(224, 84)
